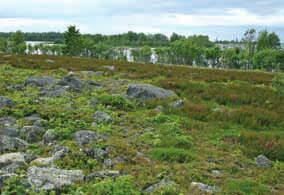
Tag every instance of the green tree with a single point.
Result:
(250, 42)
(73, 41)
(3, 44)
(268, 40)
(31, 48)
(265, 59)
(231, 57)
(16, 43)
(214, 54)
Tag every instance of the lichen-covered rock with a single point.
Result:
(6, 159)
(33, 118)
(74, 83)
(6, 102)
(87, 137)
(7, 121)
(9, 131)
(158, 186)
(51, 178)
(103, 117)
(41, 123)
(32, 134)
(40, 81)
(43, 162)
(147, 92)
(205, 188)
(55, 91)
(263, 161)
(49, 136)
(11, 144)
(108, 163)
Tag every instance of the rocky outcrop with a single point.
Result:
(32, 134)
(102, 117)
(54, 91)
(11, 144)
(263, 161)
(147, 92)
(7, 159)
(87, 137)
(40, 81)
(74, 83)
(6, 103)
(51, 178)
(7, 121)
(9, 131)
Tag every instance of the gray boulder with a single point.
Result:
(52, 179)
(6, 159)
(87, 137)
(41, 123)
(54, 91)
(43, 162)
(7, 121)
(40, 81)
(148, 92)
(9, 131)
(74, 83)
(10, 144)
(263, 161)
(158, 186)
(103, 117)
(32, 134)
(108, 163)
(204, 187)
(32, 118)
(6, 102)
(15, 87)
(49, 136)
(12, 168)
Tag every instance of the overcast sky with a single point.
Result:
(222, 19)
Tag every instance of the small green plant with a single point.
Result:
(123, 185)
(117, 102)
(246, 186)
(171, 155)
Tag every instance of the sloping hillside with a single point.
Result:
(81, 126)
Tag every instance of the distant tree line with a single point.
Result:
(260, 50)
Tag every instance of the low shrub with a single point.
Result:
(245, 186)
(171, 155)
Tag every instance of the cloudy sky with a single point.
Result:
(221, 19)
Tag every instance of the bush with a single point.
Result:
(121, 186)
(245, 187)
(116, 101)
(171, 155)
